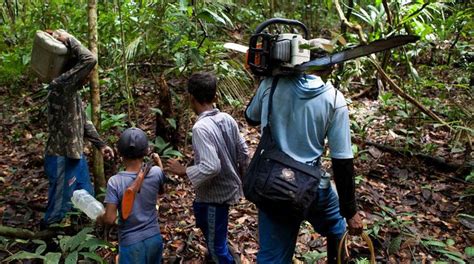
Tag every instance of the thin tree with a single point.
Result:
(97, 159)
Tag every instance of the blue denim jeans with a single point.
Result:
(277, 235)
(213, 219)
(65, 175)
(146, 251)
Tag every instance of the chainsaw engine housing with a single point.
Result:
(268, 53)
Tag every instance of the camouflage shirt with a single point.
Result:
(67, 121)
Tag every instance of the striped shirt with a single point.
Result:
(220, 153)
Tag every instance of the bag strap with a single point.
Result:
(270, 98)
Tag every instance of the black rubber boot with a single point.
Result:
(332, 247)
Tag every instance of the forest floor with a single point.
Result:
(414, 211)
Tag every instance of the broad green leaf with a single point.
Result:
(450, 242)
(23, 255)
(434, 243)
(172, 153)
(93, 243)
(469, 252)
(172, 122)
(211, 16)
(40, 249)
(52, 258)
(63, 243)
(76, 240)
(160, 144)
(93, 256)
(156, 110)
(452, 255)
(71, 258)
(394, 246)
(455, 258)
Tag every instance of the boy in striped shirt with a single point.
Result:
(220, 156)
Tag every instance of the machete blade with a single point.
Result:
(356, 52)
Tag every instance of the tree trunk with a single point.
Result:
(97, 159)
(165, 103)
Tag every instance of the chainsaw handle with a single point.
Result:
(283, 21)
(367, 240)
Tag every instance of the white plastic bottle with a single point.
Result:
(87, 204)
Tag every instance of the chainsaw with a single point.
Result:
(290, 53)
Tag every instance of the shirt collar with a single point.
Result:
(212, 112)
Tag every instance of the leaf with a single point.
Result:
(434, 243)
(172, 122)
(131, 49)
(394, 246)
(156, 111)
(469, 252)
(210, 16)
(40, 249)
(172, 153)
(455, 258)
(63, 243)
(93, 256)
(52, 258)
(23, 255)
(93, 243)
(71, 258)
(160, 144)
(452, 255)
(450, 242)
(76, 240)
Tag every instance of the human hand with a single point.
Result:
(61, 35)
(175, 167)
(100, 219)
(355, 224)
(107, 152)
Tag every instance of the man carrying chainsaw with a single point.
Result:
(139, 232)
(303, 107)
(298, 112)
(65, 164)
(221, 157)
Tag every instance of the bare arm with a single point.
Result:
(110, 215)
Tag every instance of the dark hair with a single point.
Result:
(202, 86)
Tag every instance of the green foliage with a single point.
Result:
(314, 256)
(109, 121)
(83, 243)
(362, 261)
(164, 149)
(445, 249)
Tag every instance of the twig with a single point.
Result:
(436, 161)
(350, 25)
(419, 10)
(361, 93)
(406, 96)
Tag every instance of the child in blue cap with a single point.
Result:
(139, 235)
